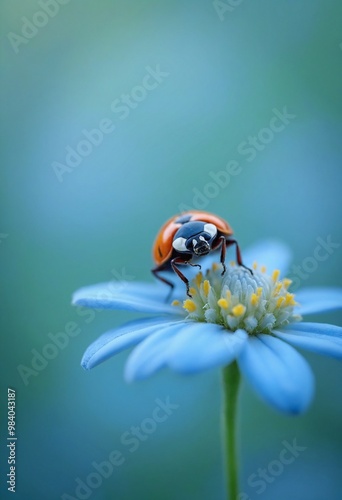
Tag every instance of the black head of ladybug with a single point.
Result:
(195, 237)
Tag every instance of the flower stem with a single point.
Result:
(231, 382)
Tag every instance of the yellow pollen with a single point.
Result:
(275, 275)
(215, 266)
(259, 291)
(175, 303)
(199, 278)
(263, 269)
(192, 291)
(189, 305)
(280, 301)
(289, 299)
(223, 303)
(255, 265)
(232, 263)
(254, 299)
(277, 288)
(287, 282)
(206, 287)
(239, 310)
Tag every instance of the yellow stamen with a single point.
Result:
(228, 295)
(277, 288)
(215, 266)
(254, 299)
(175, 303)
(199, 278)
(263, 269)
(287, 282)
(289, 299)
(239, 310)
(192, 291)
(259, 291)
(280, 301)
(255, 265)
(223, 303)
(275, 275)
(206, 287)
(232, 263)
(189, 305)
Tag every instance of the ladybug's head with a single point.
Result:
(200, 245)
(195, 237)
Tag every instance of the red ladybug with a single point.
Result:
(191, 234)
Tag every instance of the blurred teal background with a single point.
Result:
(225, 76)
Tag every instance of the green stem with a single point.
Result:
(231, 382)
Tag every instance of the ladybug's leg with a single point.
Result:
(155, 271)
(238, 253)
(194, 265)
(179, 260)
(223, 243)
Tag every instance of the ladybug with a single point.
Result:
(191, 234)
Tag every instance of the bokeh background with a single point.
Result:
(227, 69)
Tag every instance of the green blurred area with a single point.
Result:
(222, 82)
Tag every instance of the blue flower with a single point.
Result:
(252, 319)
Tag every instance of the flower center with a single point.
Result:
(257, 303)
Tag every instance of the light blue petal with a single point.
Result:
(320, 299)
(272, 253)
(278, 373)
(149, 356)
(204, 345)
(186, 347)
(132, 296)
(116, 340)
(316, 337)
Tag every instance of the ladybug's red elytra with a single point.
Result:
(191, 234)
